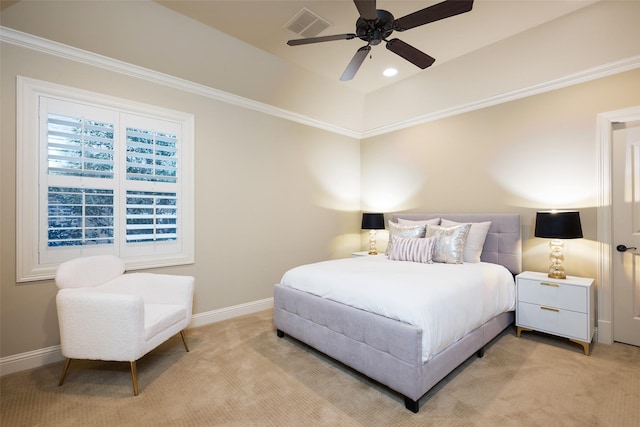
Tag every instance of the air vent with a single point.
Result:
(307, 23)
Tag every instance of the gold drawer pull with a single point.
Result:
(555, 285)
(550, 309)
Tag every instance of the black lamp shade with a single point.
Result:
(558, 225)
(372, 221)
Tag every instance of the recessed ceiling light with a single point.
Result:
(390, 72)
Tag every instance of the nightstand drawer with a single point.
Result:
(553, 294)
(566, 323)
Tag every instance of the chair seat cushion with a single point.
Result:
(159, 317)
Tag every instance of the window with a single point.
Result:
(100, 175)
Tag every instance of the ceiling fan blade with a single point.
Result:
(445, 9)
(355, 63)
(309, 40)
(367, 9)
(410, 53)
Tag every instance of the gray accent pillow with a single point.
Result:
(449, 245)
(475, 239)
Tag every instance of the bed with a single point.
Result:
(391, 350)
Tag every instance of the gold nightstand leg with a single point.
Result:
(585, 345)
(520, 329)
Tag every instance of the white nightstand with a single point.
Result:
(562, 307)
(366, 253)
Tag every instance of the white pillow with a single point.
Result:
(475, 239)
(397, 230)
(449, 246)
(433, 221)
(412, 249)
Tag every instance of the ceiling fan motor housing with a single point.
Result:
(373, 32)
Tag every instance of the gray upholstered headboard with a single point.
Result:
(503, 245)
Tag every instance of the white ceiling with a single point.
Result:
(261, 23)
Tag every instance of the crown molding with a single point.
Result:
(594, 73)
(40, 44)
(29, 41)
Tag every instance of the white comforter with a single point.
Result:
(445, 300)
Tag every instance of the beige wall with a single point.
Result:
(526, 155)
(270, 194)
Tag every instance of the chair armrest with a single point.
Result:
(100, 326)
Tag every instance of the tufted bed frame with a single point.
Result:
(387, 350)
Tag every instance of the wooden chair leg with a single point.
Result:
(184, 340)
(134, 377)
(64, 371)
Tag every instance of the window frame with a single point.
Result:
(31, 164)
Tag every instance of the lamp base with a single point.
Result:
(556, 270)
(555, 274)
(372, 242)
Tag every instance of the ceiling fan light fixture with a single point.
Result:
(390, 72)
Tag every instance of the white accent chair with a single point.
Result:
(105, 314)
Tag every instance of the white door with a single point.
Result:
(626, 232)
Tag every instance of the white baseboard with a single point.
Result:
(30, 360)
(219, 315)
(45, 356)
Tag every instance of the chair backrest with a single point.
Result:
(89, 271)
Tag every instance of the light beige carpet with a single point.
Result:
(239, 373)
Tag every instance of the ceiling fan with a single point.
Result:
(376, 25)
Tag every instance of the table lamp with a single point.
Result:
(372, 222)
(557, 226)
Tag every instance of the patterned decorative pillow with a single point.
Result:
(449, 245)
(397, 230)
(475, 240)
(412, 249)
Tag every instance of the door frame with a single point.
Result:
(605, 122)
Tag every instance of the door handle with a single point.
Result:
(623, 248)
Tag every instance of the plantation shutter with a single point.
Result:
(80, 167)
(79, 216)
(78, 146)
(151, 156)
(152, 206)
(88, 202)
(151, 216)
